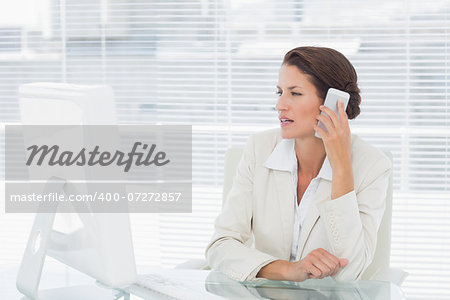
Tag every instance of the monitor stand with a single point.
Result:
(30, 271)
(80, 292)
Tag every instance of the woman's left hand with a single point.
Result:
(338, 146)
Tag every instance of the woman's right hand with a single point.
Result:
(319, 263)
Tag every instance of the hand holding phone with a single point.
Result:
(331, 101)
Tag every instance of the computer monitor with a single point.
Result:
(97, 244)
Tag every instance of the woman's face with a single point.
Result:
(298, 103)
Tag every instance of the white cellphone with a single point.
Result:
(331, 101)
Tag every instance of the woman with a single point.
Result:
(311, 206)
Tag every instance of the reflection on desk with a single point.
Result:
(163, 283)
(199, 284)
(219, 284)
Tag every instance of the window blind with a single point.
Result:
(214, 64)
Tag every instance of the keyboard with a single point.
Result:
(167, 285)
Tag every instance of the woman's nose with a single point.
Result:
(281, 104)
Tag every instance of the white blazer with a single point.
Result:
(255, 226)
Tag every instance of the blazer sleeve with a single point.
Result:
(352, 220)
(227, 251)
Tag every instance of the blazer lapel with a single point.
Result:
(285, 195)
(322, 194)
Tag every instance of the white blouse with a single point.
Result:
(283, 158)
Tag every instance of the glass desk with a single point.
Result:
(160, 283)
(198, 284)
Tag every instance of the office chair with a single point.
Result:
(379, 268)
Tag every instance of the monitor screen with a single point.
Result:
(97, 244)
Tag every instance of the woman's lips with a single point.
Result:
(285, 122)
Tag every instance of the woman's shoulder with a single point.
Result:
(365, 154)
(269, 136)
(264, 142)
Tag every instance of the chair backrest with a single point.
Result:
(381, 259)
(232, 158)
(383, 250)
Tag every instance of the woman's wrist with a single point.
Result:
(276, 270)
(342, 182)
(343, 166)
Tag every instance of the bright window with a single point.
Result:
(214, 64)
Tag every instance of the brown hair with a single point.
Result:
(327, 68)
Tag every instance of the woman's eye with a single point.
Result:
(279, 93)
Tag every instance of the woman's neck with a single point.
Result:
(310, 154)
